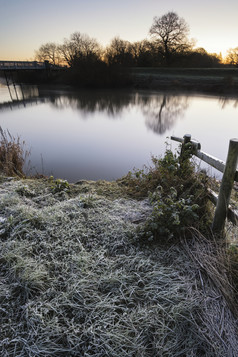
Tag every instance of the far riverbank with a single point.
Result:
(221, 81)
(205, 80)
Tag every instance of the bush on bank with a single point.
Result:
(177, 193)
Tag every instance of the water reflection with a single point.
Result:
(162, 111)
(16, 96)
(226, 101)
(104, 134)
(88, 102)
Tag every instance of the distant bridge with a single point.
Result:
(26, 65)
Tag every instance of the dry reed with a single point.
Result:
(12, 154)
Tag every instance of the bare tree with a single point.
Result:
(78, 48)
(48, 52)
(142, 53)
(232, 56)
(170, 33)
(118, 52)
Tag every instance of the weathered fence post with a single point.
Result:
(226, 187)
(186, 140)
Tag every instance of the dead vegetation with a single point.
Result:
(12, 154)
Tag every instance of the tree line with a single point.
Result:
(169, 45)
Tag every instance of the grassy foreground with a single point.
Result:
(76, 282)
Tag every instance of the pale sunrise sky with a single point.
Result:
(27, 24)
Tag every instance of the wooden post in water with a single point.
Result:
(225, 188)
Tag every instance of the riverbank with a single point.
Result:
(205, 80)
(76, 278)
(221, 81)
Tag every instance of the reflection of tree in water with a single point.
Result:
(161, 111)
(225, 101)
(88, 102)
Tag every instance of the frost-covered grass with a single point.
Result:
(76, 282)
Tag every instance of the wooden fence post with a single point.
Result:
(183, 156)
(187, 138)
(225, 188)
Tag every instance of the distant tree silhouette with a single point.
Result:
(119, 52)
(91, 66)
(48, 52)
(232, 56)
(197, 58)
(80, 48)
(144, 53)
(170, 34)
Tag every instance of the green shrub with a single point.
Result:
(59, 185)
(166, 172)
(177, 193)
(170, 216)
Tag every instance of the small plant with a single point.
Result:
(171, 215)
(59, 185)
(87, 201)
(25, 191)
(12, 154)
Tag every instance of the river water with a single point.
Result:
(103, 134)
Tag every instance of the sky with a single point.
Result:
(27, 24)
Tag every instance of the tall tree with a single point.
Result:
(170, 33)
(119, 52)
(80, 47)
(143, 54)
(48, 52)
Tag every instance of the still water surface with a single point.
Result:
(103, 134)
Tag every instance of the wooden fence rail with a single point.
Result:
(230, 174)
